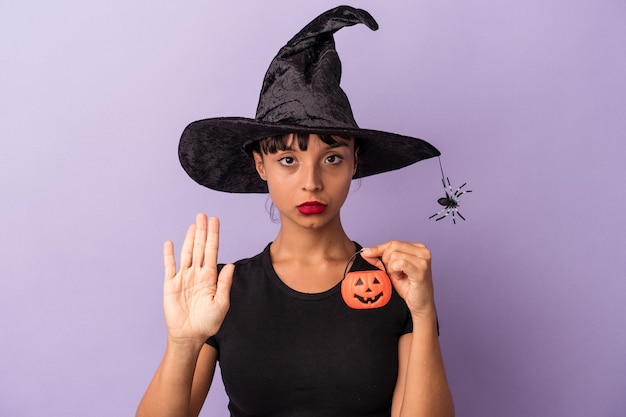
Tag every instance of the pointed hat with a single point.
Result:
(300, 94)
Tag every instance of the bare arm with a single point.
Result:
(180, 384)
(195, 302)
(422, 388)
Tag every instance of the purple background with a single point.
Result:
(526, 101)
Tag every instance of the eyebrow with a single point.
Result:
(338, 144)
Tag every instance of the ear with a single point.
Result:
(356, 161)
(258, 164)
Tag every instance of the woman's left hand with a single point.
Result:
(408, 266)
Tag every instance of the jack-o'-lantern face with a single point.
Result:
(366, 289)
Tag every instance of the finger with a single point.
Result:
(401, 264)
(169, 262)
(374, 260)
(212, 244)
(224, 283)
(374, 251)
(199, 241)
(186, 252)
(398, 258)
(384, 250)
(379, 255)
(373, 255)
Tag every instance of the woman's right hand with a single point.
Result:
(196, 299)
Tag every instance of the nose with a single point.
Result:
(311, 178)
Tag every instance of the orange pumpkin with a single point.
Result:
(366, 289)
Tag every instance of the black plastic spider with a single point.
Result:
(450, 202)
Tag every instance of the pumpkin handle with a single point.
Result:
(345, 272)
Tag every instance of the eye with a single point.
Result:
(359, 282)
(287, 160)
(334, 159)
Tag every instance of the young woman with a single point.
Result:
(292, 337)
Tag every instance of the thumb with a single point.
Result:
(224, 283)
(372, 256)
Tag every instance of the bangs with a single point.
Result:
(288, 141)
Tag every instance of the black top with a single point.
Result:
(287, 353)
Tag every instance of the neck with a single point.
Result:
(312, 245)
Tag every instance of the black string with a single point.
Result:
(443, 177)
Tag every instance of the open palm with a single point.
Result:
(195, 298)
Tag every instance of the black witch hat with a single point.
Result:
(300, 94)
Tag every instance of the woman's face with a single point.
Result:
(309, 187)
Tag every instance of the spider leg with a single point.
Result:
(437, 214)
(445, 212)
(460, 215)
(460, 192)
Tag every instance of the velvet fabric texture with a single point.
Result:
(301, 93)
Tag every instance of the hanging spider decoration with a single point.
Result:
(451, 201)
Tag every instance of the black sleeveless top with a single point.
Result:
(286, 353)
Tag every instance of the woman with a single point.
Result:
(293, 334)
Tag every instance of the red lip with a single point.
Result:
(311, 207)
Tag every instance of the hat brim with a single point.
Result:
(212, 151)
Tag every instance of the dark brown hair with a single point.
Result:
(277, 143)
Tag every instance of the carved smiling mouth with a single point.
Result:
(368, 300)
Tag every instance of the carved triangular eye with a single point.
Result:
(376, 281)
(359, 282)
